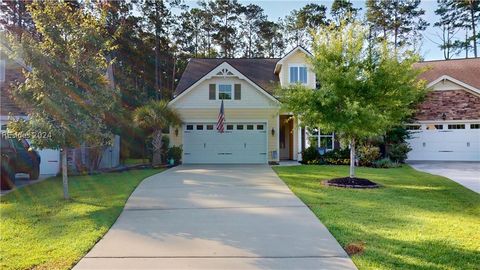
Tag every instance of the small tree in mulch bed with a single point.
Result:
(366, 87)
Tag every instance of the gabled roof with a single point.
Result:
(258, 70)
(466, 71)
(294, 50)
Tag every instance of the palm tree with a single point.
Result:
(154, 117)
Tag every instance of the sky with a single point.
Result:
(280, 8)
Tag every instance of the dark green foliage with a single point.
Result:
(311, 156)
(175, 153)
(398, 152)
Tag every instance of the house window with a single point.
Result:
(298, 74)
(326, 140)
(229, 127)
(224, 91)
(189, 127)
(209, 127)
(413, 127)
(434, 127)
(259, 127)
(239, 127)
(249, 127)
(456, 126)
(2, 70)
(199, 127)
(474, 126)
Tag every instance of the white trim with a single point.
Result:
(280, 62)
(213, 73)
(446, 77)
(446, 121)
(277, 138)
(298, 66)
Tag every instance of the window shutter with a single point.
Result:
(211, 92)
(238, 91)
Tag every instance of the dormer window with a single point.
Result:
(298, 74)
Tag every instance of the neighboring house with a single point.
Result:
(447, 123)
(258, 131)
(11, 73)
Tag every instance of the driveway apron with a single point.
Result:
(216, 217)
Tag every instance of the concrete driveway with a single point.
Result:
(466, 174)
(216, 217)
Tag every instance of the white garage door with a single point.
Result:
(455, 142)
(240, 143)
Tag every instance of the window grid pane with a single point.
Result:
(303, 74)
(224, 91)
(293, 74)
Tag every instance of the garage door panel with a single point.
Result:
(455, 145)
(232, 146)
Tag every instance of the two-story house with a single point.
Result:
(256, 130)
(447, 123)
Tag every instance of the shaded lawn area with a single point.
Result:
(415, 221)
(136, 161)
(40, 230)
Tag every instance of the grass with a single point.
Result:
(415, 221)
(135, 161)
(40, 230)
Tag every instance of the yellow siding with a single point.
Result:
(231, 115)
(297, 58)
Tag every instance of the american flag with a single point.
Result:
(221, 119)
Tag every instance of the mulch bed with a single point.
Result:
(347, 182)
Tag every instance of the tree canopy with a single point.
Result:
(364, 90)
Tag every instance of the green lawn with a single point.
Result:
(415, 221)
(136, 161)
(40, 230)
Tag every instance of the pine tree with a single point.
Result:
(448, 25)
(343, 10)
(251, 21)
(397, 21)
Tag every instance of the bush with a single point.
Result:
(311, 156)
(337, 157)
(367, 154)
(398, 152)
(165, 147)
(175, 153)
(385, 163)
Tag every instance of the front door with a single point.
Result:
(286, 137)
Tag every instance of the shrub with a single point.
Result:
(337, 157)
(175, 153)
(311, 156)
(385, 163)
(367, 154)
(398, 152)
(165, 147)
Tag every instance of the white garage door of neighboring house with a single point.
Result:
(240, 143)
(449, 142)
(50, 161)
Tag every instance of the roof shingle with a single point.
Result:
(465, 70)
(260, 71)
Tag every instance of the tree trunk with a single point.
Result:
(474, 32)
(157, 147)
(352, 158)
(66, 196)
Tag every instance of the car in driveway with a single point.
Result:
(17, 157)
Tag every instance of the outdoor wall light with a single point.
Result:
(273, 131)
(176, 132)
